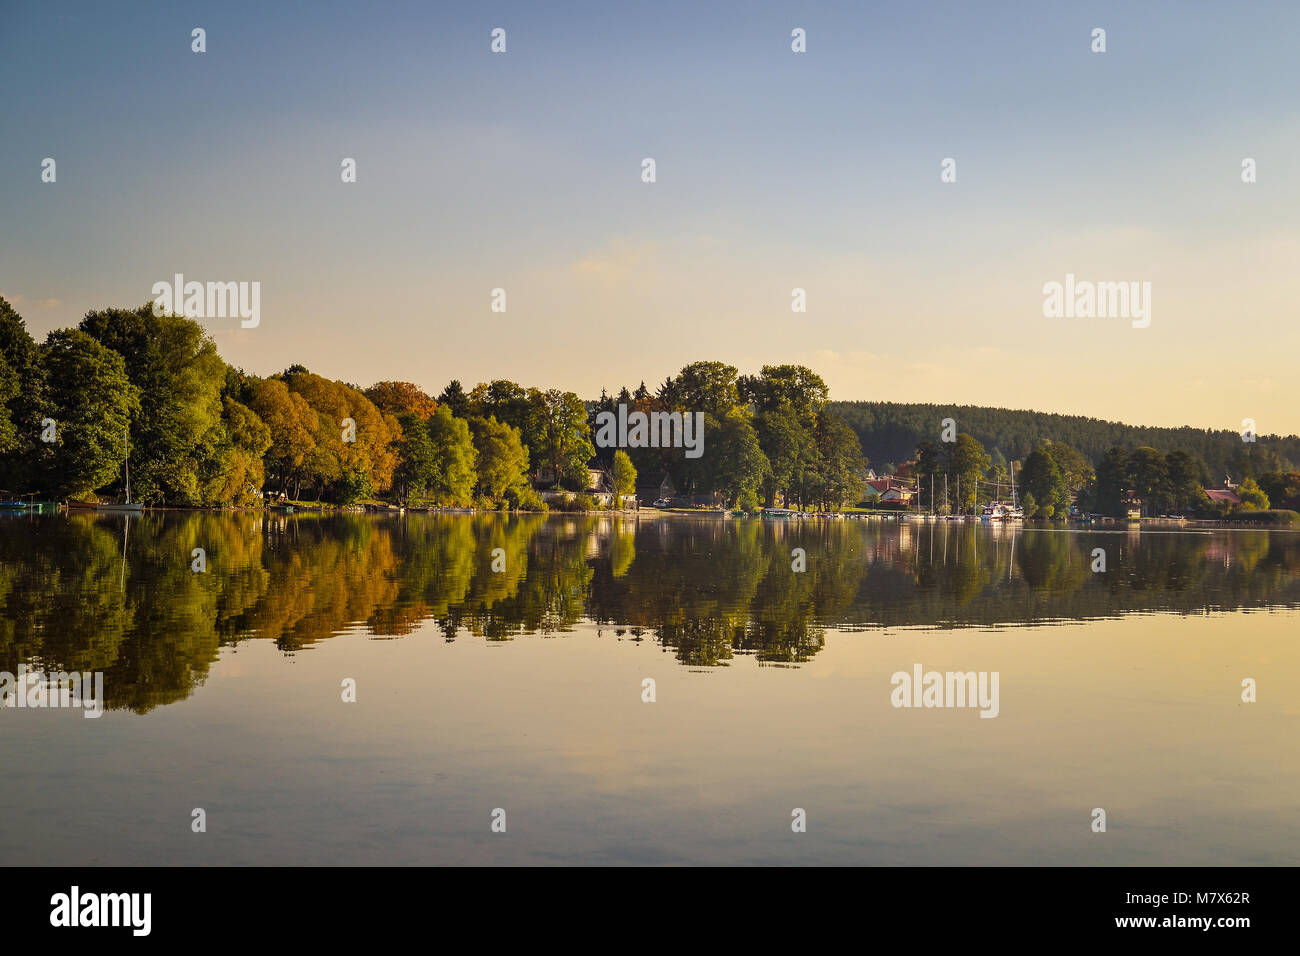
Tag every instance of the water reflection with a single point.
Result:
(90, 593)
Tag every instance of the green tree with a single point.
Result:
(415, 466)
(452, 477)
(174, 365)
(708, 387)
(1076, 472)
(236, 474)
(26, 458)
(788, 442)
(1112, 485)
(1149, 478)
(454, 397)
(1282, 488)
(1252, 498)
(355, 484)
(91, 400)
(1183, 484)
(779, 387)
(841, 467)
(563, 437)
(967, 462)
(1044, 486)
(504, 400)
(624, 474)
(1251, 459)
(735, 460)
(502, 459)
(9, 389)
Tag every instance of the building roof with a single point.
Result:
(885, 482)
(1222, 494)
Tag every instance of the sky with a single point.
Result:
(775, 170)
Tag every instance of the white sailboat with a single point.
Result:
(127, 506)
(1015, 512)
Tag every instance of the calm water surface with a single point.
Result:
(522, 690)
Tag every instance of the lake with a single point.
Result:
(500, 669)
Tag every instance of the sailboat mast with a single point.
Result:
(126, 459)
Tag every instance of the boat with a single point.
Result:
(10, 503)
(1015, 512)
(127, 506)
(993, 511)
(663, 503)
(123, 507)
(778, 512)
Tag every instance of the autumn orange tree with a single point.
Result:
(401, 398)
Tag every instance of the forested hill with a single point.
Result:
(890, 432)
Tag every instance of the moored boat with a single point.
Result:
(993, 511)
(120, 507)
(128, 506)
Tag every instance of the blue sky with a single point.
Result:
(775, 170)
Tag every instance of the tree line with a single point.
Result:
(202, 433)
(890, 432)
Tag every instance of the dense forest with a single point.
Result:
(892, 431)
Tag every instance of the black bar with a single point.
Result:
(330, 904)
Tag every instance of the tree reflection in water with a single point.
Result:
(708, 589)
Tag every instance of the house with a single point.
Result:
(871, 474)
(1226, 495)
(897, 497)
(885, 483)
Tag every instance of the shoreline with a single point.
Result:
(912, 517)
